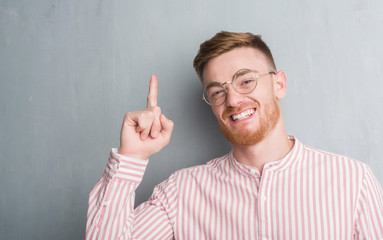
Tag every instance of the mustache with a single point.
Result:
(230, 111)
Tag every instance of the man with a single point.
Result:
(270, 186)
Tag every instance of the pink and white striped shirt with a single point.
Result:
(309, 194)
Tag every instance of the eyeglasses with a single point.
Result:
(244, 82)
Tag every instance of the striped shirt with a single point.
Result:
(309, 194)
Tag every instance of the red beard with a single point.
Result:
(244, 136)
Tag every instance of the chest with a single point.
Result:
(295, 205)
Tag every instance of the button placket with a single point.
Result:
(264, 197)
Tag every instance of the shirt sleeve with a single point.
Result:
(111, 213)
(369, 212)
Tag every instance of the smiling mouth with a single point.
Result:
(242, 115)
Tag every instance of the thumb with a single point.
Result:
(167, 125)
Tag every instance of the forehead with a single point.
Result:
(223, 67)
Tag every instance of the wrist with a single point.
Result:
(132, 155)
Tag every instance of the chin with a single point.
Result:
(244, 135)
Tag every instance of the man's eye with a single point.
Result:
(217, 93)
(247, 81)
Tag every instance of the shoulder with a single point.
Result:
(334, 160)
(214, 165)
(194, 175)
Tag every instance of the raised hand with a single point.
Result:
(146, 132)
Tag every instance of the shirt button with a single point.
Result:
(114, 166)
(253, 171)
(264, 199)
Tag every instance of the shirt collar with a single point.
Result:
(294, 155)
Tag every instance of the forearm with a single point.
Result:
(111, 212)
(111, 202)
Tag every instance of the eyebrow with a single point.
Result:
(245, 72)
(212, 84)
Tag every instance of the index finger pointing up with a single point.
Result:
(152, 96)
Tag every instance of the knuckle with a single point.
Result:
(156, 110)
(126, 116)
(147, 114)
(151, 115)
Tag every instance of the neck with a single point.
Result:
(273, 147)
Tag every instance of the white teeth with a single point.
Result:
(243, 115)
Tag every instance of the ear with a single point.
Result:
(280, 85)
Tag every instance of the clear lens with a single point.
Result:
(245, 81)
(215, 95)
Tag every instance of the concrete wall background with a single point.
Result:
(69, 70)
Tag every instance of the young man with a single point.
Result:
(270, 186)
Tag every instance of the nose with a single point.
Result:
(233, 98)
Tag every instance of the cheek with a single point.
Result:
(217, 111)
(265, 89)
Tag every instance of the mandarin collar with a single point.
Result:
(293, 155)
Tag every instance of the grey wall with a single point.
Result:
(70, 69)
